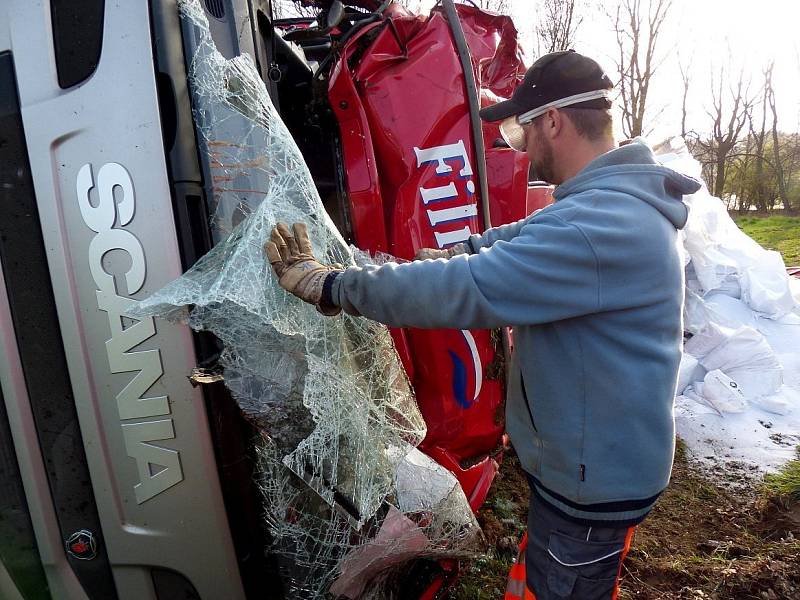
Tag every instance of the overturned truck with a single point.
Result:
(266, 451)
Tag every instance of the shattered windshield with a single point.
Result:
(347, 497)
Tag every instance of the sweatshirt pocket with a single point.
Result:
(537, 438)
(527, 402)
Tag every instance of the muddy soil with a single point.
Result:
(712, 536)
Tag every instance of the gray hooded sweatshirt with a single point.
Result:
(593, 288)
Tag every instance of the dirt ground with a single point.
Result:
(704, 540)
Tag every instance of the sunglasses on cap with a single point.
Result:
(513, 131)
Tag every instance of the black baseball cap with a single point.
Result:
(555, 80)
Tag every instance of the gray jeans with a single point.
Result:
(567, 560)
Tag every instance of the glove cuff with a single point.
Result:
(326, 301)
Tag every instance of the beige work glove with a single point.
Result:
(299, 273)
(434, 253)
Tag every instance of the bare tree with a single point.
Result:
(415, 6)
(686, 79)
(743, 195)
(499, 6)
(558, 24)
(726, 128)
(759, 135)
(282, 9)
(637, 24)
(769, 94)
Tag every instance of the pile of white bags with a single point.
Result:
(725, 259)
(742, 320)
(742, 357)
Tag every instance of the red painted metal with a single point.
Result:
(540, 195)
(507, 172)
(398, 92)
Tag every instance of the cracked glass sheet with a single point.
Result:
(348, 498)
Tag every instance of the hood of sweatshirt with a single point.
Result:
(634, 170)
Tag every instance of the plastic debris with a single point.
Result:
(688, 372)
(722, 392)
(742, 354)
(201, 376)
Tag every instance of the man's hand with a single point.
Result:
(299, 273)
(434, 253)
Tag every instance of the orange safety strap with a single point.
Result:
(628, 539)
(517, 588)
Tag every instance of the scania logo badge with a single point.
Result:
(82, 545)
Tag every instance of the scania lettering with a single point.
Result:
(159, 468)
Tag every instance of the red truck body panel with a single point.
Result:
(399, 94)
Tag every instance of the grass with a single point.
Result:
(775, 233)
(785, 483)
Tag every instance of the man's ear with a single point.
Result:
(552, 123)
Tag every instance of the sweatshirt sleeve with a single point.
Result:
(548, 272)
(505, 232)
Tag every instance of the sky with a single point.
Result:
(703, 34)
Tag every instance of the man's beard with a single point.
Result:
(543, 161)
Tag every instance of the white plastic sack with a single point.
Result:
(731, 312)
(696, 315)
(742, 348)
(706, 339)
(723, 393)
(794, 286)
(706, 235)
(689, 371)
(723, 256)
(743, 354)
(422, 484)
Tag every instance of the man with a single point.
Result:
(593, 287)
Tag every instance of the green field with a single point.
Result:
(775, 233)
